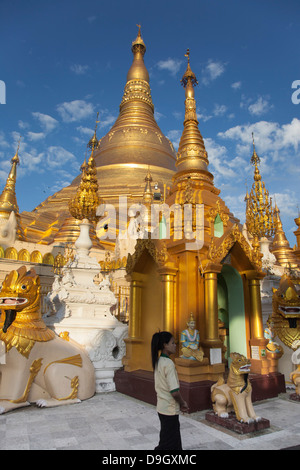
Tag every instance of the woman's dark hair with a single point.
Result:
(157, 344)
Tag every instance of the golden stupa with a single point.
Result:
(8, 199)
(122, 159)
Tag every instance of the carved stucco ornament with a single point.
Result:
(218, 210)
(217, 253)
(158, 251)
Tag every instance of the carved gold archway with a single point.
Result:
(157, 250)
(217, 252)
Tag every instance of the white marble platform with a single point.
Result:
(112, 421)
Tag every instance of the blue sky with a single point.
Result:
(62, 61)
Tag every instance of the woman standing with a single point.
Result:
(169, 399)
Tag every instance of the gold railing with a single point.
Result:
(122, 294)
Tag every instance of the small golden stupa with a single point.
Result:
(86, 201)
(284, 254)
(260, 215)
(8, 199)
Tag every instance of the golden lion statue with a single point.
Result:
(39, 366)
(236, 393)
(286, 310)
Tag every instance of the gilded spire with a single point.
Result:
(281, 247)
(94, 142)
(8, 199)
(148, 194)
(297, 234)
(138, 69)
(191, 156)
(260, 215)
(135, 136)
(84, 204)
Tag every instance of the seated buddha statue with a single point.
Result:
(190, 342)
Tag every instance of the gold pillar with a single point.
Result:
(168, 279)
(135, 307)
(256, 323)
(212, 339)
(259, 362)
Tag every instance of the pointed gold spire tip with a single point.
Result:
(189, 75)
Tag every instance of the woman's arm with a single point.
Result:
(182, 403)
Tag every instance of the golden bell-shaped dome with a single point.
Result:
(135, 141)
(122, 156)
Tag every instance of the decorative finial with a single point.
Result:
(138, 44)
(93, 142)
(187, 55)
(15, 159)
(255, 158)
(188, 76)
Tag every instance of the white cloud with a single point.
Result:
(58, 156)
(212, 70)
(3, 141)
(35, 135)
(291, 134)
(269, 136)
(178, 114)
(174, 136)
(23, 125)
(85, 130)
(3, 176)
(106, 119)
(171, 65)
(158, 115)
(201, 116)
(236, 85)
(47, 122)
(219, 109)
(260, 106)
(286, 202)
(75, 110)
(79, 69)
(30, 162)
(220, 164)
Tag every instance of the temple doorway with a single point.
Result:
(231, 312)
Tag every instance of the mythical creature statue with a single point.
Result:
(38, 367)
(286, 310)
(295, 375)
(236, 393)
